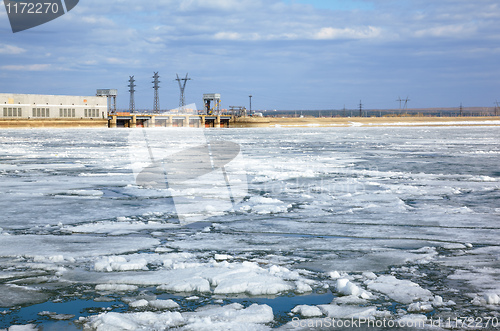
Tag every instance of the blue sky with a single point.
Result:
(293, 54)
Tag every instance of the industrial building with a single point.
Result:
(52, 110)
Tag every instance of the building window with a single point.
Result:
(91, 112)
(36, 112)
(12, 112)
(73, 113)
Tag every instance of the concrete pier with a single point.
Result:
(125, 120)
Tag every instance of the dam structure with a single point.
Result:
(132, 120)
(37, 110)
(99, 111)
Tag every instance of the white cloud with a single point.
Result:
(9, 49)
(225, 5)
(454, 31)
(330, 33)
(228, 36)
(28, 67)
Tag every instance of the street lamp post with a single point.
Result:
(250, 96)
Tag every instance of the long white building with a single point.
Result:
(34, 106)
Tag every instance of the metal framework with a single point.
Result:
(360, 109)
(111, 95)
(182, 87)
(406, 102)
(132, 86)
(156, 86)
(212, 103)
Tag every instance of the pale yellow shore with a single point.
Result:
(53, 123)
(365, 121)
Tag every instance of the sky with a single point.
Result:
(287, 54)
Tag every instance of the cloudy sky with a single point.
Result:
(289, 54)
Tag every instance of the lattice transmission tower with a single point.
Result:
(132, 86)
(156, 86)
(182, 87)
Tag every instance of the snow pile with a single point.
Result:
(134, 321)
(307, 311)
(263, 205)
(179, 273)
(418, 307)
(187, 285)
(346, 287)
(27, 327)
(492, 298)
(252, 279)
(402, 291)
(230, 317)
(489, 298)
(120, 263)
(115, 287)
(231, 278)
(139, 303)
(163, 304)
(348, 312)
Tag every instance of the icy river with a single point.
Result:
(250, 229)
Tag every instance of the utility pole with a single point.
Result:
(399, 99)
(182, 87)
(132, 93)
(156, 86)
(406, 103)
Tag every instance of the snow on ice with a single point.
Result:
(360, 222)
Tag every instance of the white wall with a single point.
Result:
(52, 106)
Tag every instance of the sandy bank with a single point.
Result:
(365, 121)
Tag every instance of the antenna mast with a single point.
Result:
(156, 86)
(132, 93)
(182, 87)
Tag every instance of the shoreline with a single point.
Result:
(52, 123)
(366, 121)
(279, 122)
